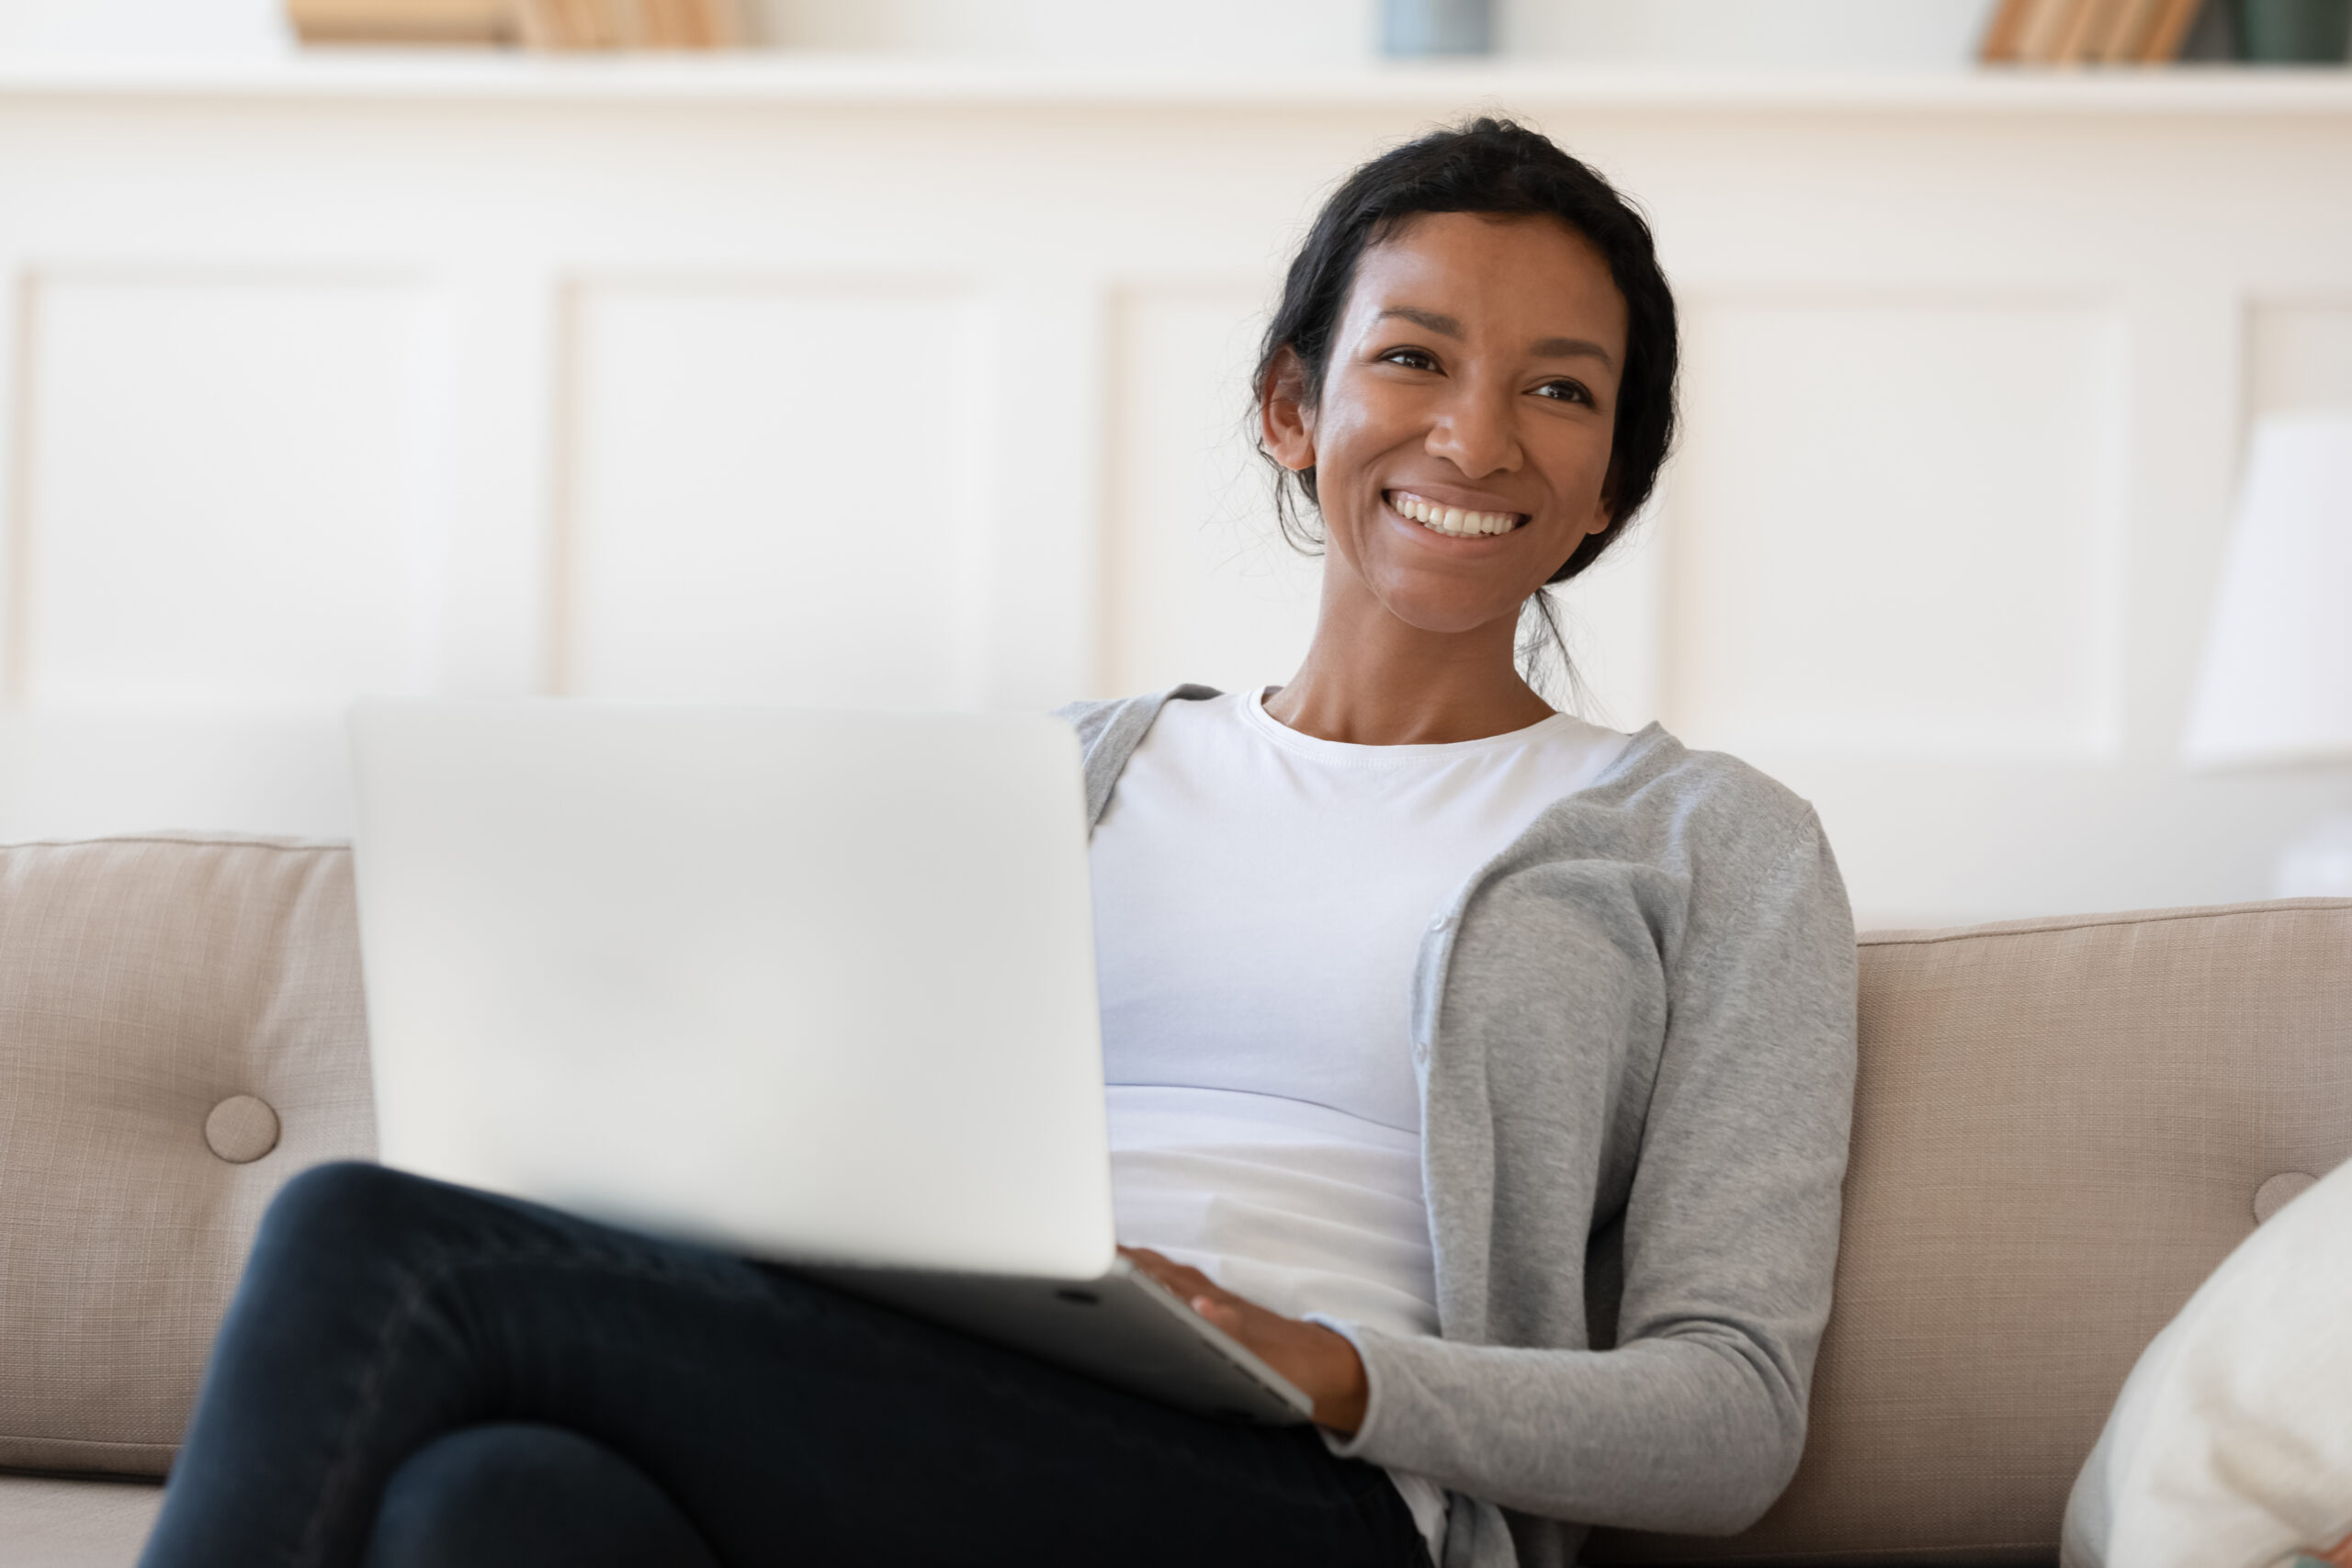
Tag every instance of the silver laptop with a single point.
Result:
(817, 988)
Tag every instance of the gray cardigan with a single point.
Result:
(1635, 1035)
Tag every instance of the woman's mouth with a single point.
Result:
(1453, 521)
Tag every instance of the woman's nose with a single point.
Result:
(1472, 431)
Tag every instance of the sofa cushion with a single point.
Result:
(2061, 1127)
(146, 983)
(51, 1523)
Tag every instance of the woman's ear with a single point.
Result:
(1285, 424)
(1604, 513)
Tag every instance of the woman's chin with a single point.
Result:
(1440, 609)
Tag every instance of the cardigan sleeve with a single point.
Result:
(1694, 1421)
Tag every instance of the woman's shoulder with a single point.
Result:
(1657, 772)
(1096, 718)
(1109, 730)
(1710, 844)
(1686, 804)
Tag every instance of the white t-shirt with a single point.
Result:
(1260, 898)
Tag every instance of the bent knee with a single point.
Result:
(347, 1202)
(335, 1194)
(521, 1493)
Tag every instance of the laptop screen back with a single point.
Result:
(813, 985)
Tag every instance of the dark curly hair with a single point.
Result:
(1497, 166)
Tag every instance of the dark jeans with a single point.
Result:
(413, 1373)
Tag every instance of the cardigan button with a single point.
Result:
(1443, 923)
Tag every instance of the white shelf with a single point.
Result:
(784, 79)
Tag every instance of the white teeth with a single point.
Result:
(1450, 520)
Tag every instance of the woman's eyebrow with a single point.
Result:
(1444, 326)
(1570, 348)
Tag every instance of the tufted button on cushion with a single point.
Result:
(141, 981)
(242, 1128)
(2278, 1191)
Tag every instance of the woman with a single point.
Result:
(1486, 1071)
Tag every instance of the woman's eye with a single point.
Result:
(1411, 358)
(1565, 391)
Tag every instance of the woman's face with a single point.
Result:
(1461, 444)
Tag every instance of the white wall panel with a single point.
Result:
(1893, 527)
(229, 492)
(1200, 585)
(923, 383)
(1613, 616)
(2298, 355)
(772, 494)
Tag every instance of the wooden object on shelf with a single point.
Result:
(2068, 32)
(2127, 33)
(2047, 28)
(2085, 37)
(2170, 31)
(404, 21)
(2004, 33)
(629, 24)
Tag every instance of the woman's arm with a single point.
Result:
(1695, 1421)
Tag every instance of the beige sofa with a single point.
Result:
(2064, 1124)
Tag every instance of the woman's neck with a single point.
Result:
(1379, 681)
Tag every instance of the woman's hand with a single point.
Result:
(1322, 1364)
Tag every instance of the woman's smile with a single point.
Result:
(1454, 522)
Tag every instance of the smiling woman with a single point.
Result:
(1487, 1072)
(1430, 1167)
(1555, 298)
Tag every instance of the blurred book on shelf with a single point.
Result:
(404, 21)
(630, 23)
(2088, 32)
(536, 24)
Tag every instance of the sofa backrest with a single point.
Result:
(180, 1031)
(2062, 1126)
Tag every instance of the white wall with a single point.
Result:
(185, 29)
(1823, 33)
(1805, 33)
(1285, 32)
(822, 385)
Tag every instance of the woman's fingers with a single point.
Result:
(1227, 1312)
(1323, 1364)
(1181, 1279)
(1244, 1319)
(1236, 1315)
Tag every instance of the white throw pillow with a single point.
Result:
(2231, 1446)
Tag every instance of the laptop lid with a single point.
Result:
(812, 985)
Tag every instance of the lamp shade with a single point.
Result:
(2276, 687)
